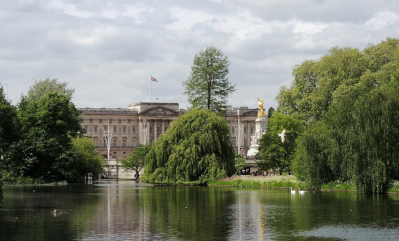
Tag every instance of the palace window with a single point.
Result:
(114, 143)
(105, 142)
(245, 143)
(150, 129)
(124, 143)
(232, 129)
(133, 129)
(252, 130)
(245, 130)
(134, 143)
(95, 129)
(158, 129)
(115, 129)
(124, 129)
(165, 128)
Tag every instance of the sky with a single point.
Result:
(108, 50)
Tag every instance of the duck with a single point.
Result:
(301, 191)
(292, 191)
(57, 211)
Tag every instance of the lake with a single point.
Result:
(127, 210)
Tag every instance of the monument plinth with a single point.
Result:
(260, 129)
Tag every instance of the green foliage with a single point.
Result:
(270, 112)
(262, 182)
(136, 160)
(85, 159)
(1, 183)
(195, 149)
(312, 163)
(239, 163)
(8, 123)
(349, 102)
(339, 186)
(208, 86)
(272, 152)
(42, 87)
(47, 126)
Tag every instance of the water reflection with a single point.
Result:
(134, 211)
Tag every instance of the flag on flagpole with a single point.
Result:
(153, 79)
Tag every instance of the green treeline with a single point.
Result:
(42, 139)
(348, 105)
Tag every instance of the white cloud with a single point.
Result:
(382, 19)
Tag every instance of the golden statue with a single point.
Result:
(261, 110)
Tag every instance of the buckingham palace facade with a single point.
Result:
(144, 122)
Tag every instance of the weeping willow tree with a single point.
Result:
(349, 101)
(194, 150)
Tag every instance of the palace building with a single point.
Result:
(144, 122)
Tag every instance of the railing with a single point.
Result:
(107, 110)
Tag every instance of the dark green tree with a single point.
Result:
(208, 86)
(8, 123)
(41, 87)
(8, 130)
(195, 149)
(270, 112)
(136, 160)
(273, 153)
(313, 162)
(47, 126)
(84, 160)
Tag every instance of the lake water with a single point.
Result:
(127, 210)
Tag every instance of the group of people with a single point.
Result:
(268, 172)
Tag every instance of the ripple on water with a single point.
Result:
(349, 232)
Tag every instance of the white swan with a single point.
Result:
(301, 191)
(292, 191)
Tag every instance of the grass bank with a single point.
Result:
(260, 181)
(285, 182)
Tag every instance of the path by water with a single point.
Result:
(132, 211)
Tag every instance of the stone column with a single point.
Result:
(163, 126)
(248, 134)
(155, 130)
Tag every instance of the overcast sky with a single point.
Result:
(108, 50)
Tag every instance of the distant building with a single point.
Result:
(144, 122)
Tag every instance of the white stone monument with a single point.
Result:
(260, 129)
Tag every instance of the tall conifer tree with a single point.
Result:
(208, 85)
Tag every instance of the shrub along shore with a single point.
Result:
(286, 182)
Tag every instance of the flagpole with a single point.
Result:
(151, 89)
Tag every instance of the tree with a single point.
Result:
(208, 86)
(47, 126)
(42, 87)
(348, 100)
(85, 159)
(136, 160)
(270, 112)
(239, 163)
(195, 149)
(273, 153)
(8, 123)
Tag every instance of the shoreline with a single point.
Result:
(281, 182)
